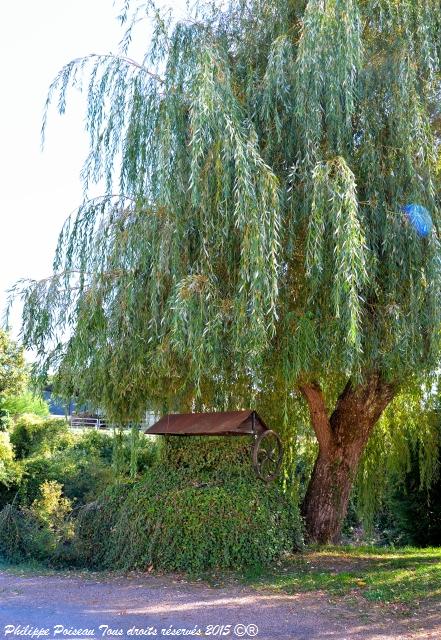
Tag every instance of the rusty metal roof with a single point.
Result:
(209, 424)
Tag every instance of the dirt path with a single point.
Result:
(68, 606)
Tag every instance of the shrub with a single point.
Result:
(199, 506)
(10, 471)
(13, 538)
(412, 513)
(49, 517)
(94, 526)
(6, 451)
(140, 452)
(83, 477)
(103, 445)
(5, 418)
(33, 434)
(51, 507)
(39, 531)
(96, 444)
(83, 465)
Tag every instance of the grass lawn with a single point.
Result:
(407, 575)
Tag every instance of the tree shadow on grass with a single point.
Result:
(399, 576)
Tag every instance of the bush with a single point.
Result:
(199, 507)
(94, 526)
(6, 451)
(49, 515)
(33, 434)
(13, 530)
(81, 463)
(103, 446)
(412, 513)
(10, 471)
(5, 418)
(37, 532)
(96, 444)
(139, 451)
(51, 508)
(83, 477)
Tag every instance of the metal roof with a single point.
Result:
(209, 424)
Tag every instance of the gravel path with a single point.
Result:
(48, 606)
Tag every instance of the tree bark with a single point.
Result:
(342, 438)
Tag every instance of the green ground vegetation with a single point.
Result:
(190, 503)
(406, 575)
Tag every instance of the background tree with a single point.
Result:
(26, 402)
(251, 241)
(13, 374)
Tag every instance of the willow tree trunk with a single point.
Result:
(342, 438)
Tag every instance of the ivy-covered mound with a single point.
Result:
(199, 507)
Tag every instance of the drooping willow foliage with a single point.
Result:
(410, 429)
(250, 233)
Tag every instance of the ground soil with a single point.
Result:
(78, 601)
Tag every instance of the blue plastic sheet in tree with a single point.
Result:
(419, 218)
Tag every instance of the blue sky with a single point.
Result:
(40, 188)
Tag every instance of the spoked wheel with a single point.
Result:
(267, 455)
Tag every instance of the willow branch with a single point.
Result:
(127, 60)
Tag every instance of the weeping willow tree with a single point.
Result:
(250, 243)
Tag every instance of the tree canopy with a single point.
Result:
(251, 233)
